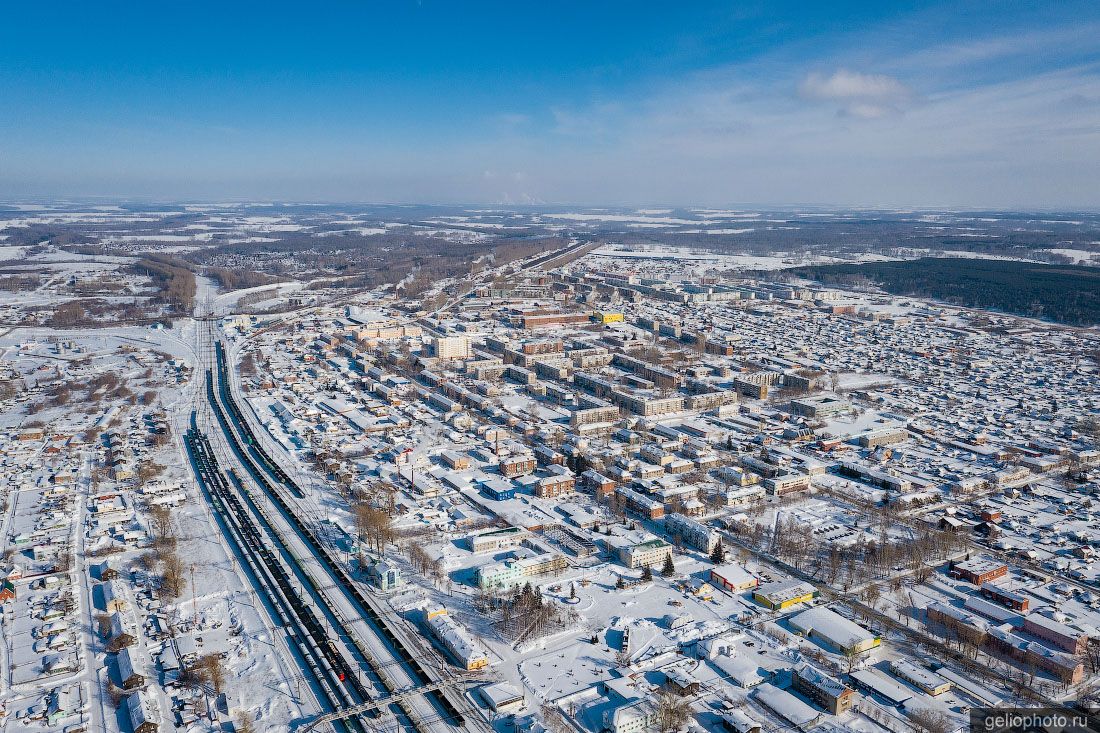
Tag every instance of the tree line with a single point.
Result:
(1063, 293)
(175, 279)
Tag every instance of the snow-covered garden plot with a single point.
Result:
(111, 465)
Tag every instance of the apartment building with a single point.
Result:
(691, 532)
(651, 553)
(517, 465)
(451, 347)
(825, 691)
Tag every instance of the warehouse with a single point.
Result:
(787, 706)
(784, 594)
(733, 577)
(880, 685)
(923, 679)
(824, 624)
(502, 697)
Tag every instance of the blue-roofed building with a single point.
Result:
(499, 489)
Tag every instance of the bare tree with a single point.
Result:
(931, 721)
(146, 472)
(243, 723)
(164, 530)
(673, 711)
(553, 720)
(172, 573)
(1092, 655)
(374, 526)
(213, 671)
(871, 594)
(851, 656)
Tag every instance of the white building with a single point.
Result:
(451, 347)
(456, 640)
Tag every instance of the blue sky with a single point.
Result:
(694, 103)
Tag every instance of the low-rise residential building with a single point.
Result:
(825, 691)
(742, 495)
(129, 678)
(640, 504)
(143, 717)
(691, 532)
(597, 483)
(559, 482)
(114, 598)
(455, 460)
(517, 465)
(496, 539)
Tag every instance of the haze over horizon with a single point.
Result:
(620, 104)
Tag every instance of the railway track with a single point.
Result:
(254, 446)
(332, 677)
(407, 667)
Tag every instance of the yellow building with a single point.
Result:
(606, 317)
(784, 594)
(433, 611)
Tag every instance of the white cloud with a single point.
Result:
(867, 110)
(737, 136)
(868, 96)
(844, 85)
